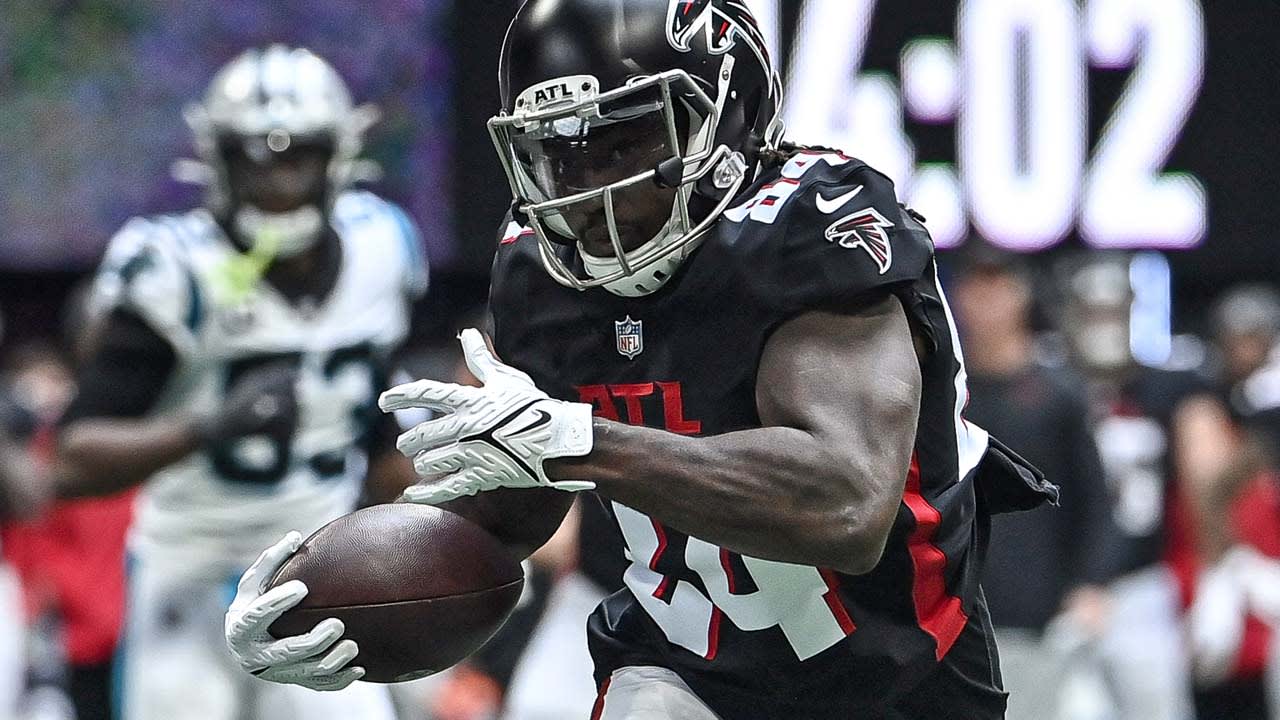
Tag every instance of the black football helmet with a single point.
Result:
(602, 99)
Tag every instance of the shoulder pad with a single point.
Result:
(358, 212)
(514, 260)
(146, 271)
(825, 230)
(515, 239)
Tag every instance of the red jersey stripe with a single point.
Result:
(661, 591)
(713, 633)
(598, 710)
(939, 614)
(832, 596)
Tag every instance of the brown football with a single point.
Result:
(418, 588)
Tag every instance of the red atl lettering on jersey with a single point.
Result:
(631, 394)
(599, 398)
(604, 399)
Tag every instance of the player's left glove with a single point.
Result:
(494, 436)
(317, 660)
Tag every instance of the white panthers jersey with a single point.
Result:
(176, 272)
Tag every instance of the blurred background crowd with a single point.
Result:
(1095, 174)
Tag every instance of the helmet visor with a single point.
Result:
(275, 173)
(595, 145)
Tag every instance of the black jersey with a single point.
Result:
(755, 638)
(1134, 433)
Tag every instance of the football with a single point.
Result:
(418, 588)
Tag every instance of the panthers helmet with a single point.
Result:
(693, 83)
(261, 104)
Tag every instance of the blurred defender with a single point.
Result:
(759, 331)
(241, 349)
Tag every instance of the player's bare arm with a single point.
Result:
(103, 455)
(111, 443)
(107, 444)
(100, 456)
(820, 482)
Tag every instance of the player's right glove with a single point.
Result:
(494, 436)
(262, 401)
(317, 660)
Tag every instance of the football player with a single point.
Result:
(241, 348)
(742, 346)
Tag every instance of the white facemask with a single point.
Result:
(283, 234)
(649, 279)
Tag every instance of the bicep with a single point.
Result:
(850, 380)
(127, 371)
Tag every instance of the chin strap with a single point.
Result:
(646, 280)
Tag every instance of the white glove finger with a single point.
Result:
(483, 364)
(337, 658)
(307, 674)
(475, 351)
(268, 608)
(428, 394)
(430, 435)
(442, 461)
(308, 646)
(254, 580)
(442, 491)
(338, 681)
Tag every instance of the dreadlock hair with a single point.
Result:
(786, 150)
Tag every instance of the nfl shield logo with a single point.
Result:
(630, 337)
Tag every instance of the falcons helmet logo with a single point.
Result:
(868, 230)
(723, 22)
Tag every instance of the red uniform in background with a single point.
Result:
(71, 562)
(1255, 523)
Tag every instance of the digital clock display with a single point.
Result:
(1057, 117)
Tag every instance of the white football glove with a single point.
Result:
(493, 436)
(316, 660)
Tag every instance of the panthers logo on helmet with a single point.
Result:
(723, 22)
(868, 230)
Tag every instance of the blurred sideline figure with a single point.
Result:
(70, 559)
(1230, 517)
(21, 495)
(1139, 413)
(1046, 567)
(1247, 329)
(240, 352)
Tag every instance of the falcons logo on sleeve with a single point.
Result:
(866, 229)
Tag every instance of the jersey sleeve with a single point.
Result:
(841, 241)
(145, 274)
